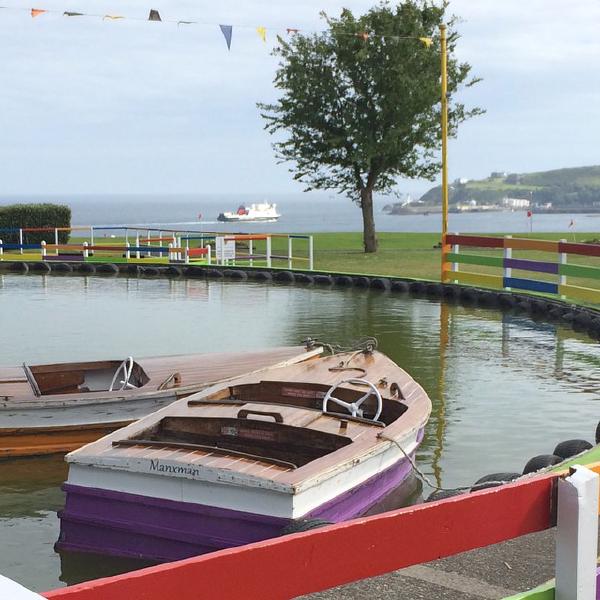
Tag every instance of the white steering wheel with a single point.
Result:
(127, 367)
(354, 407)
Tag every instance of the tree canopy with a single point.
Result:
(359, 103)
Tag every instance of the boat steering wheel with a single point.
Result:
(126, 367)
(354, 407)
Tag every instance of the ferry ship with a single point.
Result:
(255, 212)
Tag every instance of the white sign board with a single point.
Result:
(225, 249)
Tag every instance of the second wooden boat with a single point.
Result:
(242, 461)
(47, 409)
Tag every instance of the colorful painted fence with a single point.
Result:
(308, 562)
(166, 246)
(542, 276)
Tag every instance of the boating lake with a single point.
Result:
(504, 387)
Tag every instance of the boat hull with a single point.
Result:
(223, 219)
(41, 431)
(129, 525)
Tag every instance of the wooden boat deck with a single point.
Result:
(195, 371)
(303, 383)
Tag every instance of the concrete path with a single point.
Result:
(492, 573)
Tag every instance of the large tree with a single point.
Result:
(360, 102)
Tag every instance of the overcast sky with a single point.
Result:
(93, 106)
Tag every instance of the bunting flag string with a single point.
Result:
(226, 30)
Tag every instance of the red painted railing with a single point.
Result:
(304, 563)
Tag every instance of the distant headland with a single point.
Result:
(574, 190)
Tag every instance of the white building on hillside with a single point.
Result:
(516, 203)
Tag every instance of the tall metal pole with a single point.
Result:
(444, 75)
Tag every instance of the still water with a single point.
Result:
(504, 387)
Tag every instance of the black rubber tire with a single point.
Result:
(570, 448)
(18, 267)
(361, 282)
(538, 307)
(304, 278)
(284, 277)
(107, 269)
(523, 305)
(133, 270)
(400, 287)
(582, 321)
(487, 299)
(214, 273)
(322, 280)
(151, 271)
(39, 267)
(343, 281)
(598, 433)
(494, 480)
(443, 494)
(381, 283)
(450, 292)
(61, 268)
(434, 290)
(235, 274)
(173, 271)
(556, 313)
(594, 329)
(261, 276)
(194, 272)
(416, 288)
(304, 525)
(506, 301)
(86, 268)
(468, 296)
(568, 316)
(540, 462)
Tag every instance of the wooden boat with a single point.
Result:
(241, 461)
(46, 409)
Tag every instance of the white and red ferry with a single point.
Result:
(255, 212)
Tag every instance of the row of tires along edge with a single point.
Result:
(562, 451)
(581, 319)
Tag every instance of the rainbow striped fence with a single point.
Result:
(316, 560)
(547, 276)
(164, 246)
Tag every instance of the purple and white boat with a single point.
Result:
(247, 460)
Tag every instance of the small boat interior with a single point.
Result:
(77, 378)
(283, 423)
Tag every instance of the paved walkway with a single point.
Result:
(492, 573)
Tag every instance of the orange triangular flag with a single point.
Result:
(364, 35)
(36, 12)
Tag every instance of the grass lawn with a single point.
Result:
(405, 254)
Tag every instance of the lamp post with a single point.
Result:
(444, 81)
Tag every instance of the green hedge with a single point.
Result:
(35, 215)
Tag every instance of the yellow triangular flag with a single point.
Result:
(262, 32)
(427, 41)
(113, 17)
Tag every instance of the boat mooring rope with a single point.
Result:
(425, 479)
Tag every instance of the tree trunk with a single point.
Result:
(366, 203)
